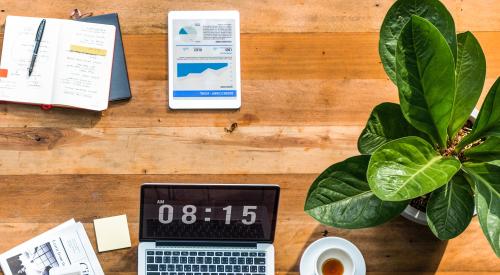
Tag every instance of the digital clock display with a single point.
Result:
(208, 212)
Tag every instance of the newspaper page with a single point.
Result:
(65, 247)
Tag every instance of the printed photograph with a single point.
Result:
(39, 261)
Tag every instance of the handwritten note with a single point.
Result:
(82, 76)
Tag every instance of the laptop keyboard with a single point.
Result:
(166, 262)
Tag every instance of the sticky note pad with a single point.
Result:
(87, 50)
(112, 233)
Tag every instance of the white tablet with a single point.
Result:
(204, 60)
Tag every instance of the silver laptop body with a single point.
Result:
(207, 229)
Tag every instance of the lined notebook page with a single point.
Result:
(84, 64)
(18, 45)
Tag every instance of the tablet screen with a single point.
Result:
(204, 61)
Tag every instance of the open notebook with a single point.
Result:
(73, 67)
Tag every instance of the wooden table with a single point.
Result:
(311, 75)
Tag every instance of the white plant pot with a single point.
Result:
(413, 214)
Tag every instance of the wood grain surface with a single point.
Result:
(310, 75)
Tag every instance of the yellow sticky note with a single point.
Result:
(87, 50)
(112, 233)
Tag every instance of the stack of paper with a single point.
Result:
(63, 250)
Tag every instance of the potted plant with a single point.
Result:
(423, 151)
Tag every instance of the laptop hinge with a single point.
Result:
(202, 243)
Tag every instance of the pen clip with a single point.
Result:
(39, 32)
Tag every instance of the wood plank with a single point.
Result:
(411, 250)
(174, 150)
(291, 56)
(488, 21)
(265, 103)
(293, 103)
(397, 247)
(139, 16)
(369, 273)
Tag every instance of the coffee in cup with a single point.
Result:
(332, 267)
(334, 261)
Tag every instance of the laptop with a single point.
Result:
(207, 229)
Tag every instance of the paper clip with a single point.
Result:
(77, 14)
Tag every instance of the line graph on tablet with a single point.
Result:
(185, 69)
(217, 79)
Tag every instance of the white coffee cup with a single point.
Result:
(335, 253)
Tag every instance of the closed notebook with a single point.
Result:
(120, 86)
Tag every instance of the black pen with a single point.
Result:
(38, 40)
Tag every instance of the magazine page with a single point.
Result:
(85, 253)
(53, 250)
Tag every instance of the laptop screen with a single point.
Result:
(208, 212)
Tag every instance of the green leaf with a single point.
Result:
(386, 123)
(488, 119)
(426, 78)
(468, 178)
(343, 198)
(450, 208)
(397, 17)
(487, 178)
(471, 72)
(407, 168)
(487, 151)
(356, 166)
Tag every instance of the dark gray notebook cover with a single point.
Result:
(120, 86)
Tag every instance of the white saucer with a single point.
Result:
(313, 250)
